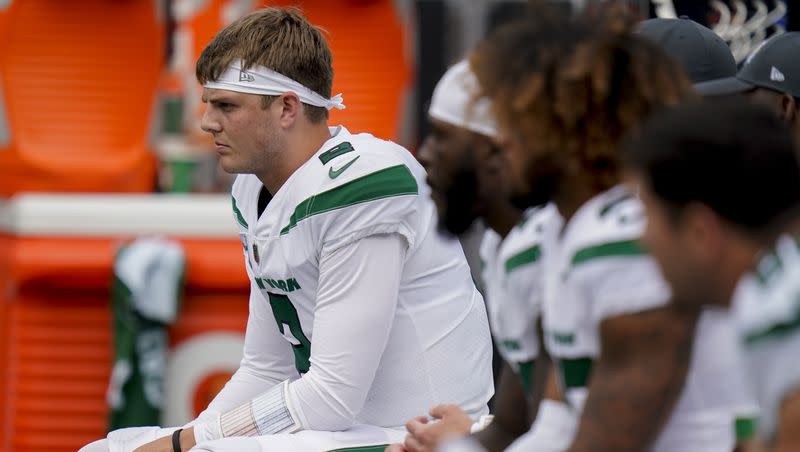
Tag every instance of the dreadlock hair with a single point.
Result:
(574, 85)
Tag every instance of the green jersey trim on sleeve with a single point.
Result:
(386, 183)
(623, 248)
(768, 266)
(526, 376)
(575, 372)
(528, 256)
(238, 213)
(336, 151)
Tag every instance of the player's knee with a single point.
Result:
(239, 444)
(100, 445)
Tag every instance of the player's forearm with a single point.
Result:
(243, 386)
(495, 437)
(787, 435)
(543, 380)
(636, 381)
(510, 420)
(355, 310)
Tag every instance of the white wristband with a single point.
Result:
(266, 414)
(208, 430)
(463, 444)
(481, 424)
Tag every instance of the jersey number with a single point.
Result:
(286, 315)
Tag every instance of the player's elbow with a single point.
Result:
(332, 422)
(326, 407)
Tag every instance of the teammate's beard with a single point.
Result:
(542, 178)
(460, 200)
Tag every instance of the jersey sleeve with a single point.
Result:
(625, 285)
(356, 304)
(613, 269)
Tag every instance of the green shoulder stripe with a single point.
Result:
(525, 257)
(238, 213)
(611, 249)
(614, 203)
(386, 183)
(339, 149)
(777, 330)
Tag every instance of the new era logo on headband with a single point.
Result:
(775, 75)
(245, 77)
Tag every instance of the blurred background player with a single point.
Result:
(771, 75)
(342, 250)
(702, 53)
(564, 94)
(468, 175)
(704, 56)
(707, 233)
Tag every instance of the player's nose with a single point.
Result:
(209, 123)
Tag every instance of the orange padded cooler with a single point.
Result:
(56, 257)
(77, 94)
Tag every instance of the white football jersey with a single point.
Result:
(766, 306)
(355, 186)
(512, 281)
(596, 269)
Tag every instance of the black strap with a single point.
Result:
(176, 440)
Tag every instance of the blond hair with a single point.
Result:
(280, 39)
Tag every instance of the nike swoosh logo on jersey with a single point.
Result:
(333, 174)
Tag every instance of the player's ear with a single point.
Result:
(789, 108)
(704, 230)
(495, 159)
(290, 109)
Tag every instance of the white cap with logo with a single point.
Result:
(456, 102)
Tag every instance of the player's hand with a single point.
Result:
(426, 436)
(751, 445)
(164, 444)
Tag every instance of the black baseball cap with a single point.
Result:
(775, 65)
(703, 54)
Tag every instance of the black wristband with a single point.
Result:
(176, 440)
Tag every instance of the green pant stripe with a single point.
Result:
(377, 448)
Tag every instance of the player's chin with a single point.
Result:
(229, 165)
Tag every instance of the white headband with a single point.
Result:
(260, 80)
(454, 101)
